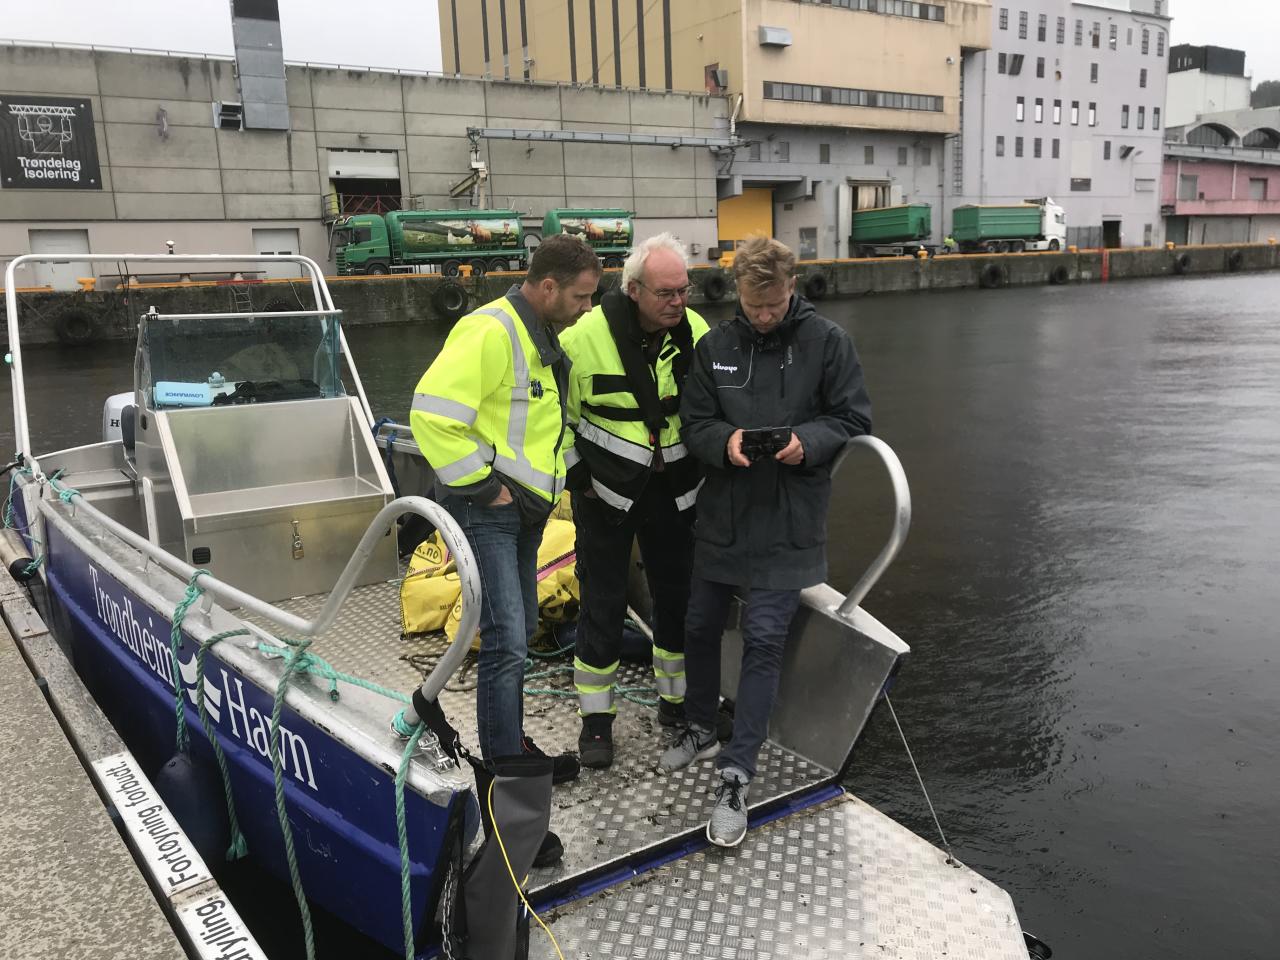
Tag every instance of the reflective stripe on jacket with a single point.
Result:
(488, 404)
(618, 449)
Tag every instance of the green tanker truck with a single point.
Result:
(896, 231)
(1038, 224)
(406, 240)
(608, 232)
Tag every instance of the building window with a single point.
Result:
(1075, 113)
(848, 97)
(893, 8)
(1144, 186)
(1155, 118)
(1042, 28)
(753, 151)
(1142, 118)
(926, 156)
(1022, 24)
(784, 151)
(1093, 114)
(1079, 33)
(1004, 18)
(1062, 30)
(1114, 36)
(1106, 149)
(1057, 111)
(1159, 8)
(1096, 35)
(1093, 73)
(1017, 146)
(1081, 184)
(1160, 44)
(1146, 41)
(1128, 36)
(999, 146)
(1039, 109)
(1257, 188)
(1057, 148)
(1142, 77)
(1037, 147)
(902, 156)
(1040, 67)
(1124, 117)
(1002, 63)
(1020, 109)
(869, 155)
(824, 153)
(1189, 187)
(1015, 64)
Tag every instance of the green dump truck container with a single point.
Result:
(609, 232)
(404, 240)
(891, 231)
(1038, 224)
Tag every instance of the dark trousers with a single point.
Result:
(605, 536)
(766, 618)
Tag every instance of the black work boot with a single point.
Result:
(564, 767)
(595, 743)
(549, 853)
(670, 714)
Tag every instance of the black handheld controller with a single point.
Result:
(764, 442)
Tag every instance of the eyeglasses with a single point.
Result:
(680, 293)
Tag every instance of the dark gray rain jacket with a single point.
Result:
(766, 525)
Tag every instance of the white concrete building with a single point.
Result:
(1068, 103)
(1205, 80)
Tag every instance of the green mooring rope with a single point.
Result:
(292, 664)
(239, 847)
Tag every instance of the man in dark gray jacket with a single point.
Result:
(760, 532)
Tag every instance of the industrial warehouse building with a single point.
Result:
(105, 152)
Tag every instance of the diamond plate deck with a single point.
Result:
(606, 814)
(837, 881)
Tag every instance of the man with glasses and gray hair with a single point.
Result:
(635, 479)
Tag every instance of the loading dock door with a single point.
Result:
(61, 274)
(739, 217)
(277, 240)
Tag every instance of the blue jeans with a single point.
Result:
(507, 554)
(766, 619)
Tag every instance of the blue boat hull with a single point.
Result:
(341, 806)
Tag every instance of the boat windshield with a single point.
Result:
(215, 360)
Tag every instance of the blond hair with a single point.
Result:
(761, 261)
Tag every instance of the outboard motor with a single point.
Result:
(112, 415)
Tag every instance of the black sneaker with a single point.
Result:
(549, 853)
(670, 714)
(595, 743)
(564, 767)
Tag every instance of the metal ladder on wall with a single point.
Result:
(241, 302)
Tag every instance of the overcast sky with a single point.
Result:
(404, 33)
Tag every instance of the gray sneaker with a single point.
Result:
(728, 823)
(692, 743)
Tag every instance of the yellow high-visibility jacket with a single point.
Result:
(618, 448)
(493, 403)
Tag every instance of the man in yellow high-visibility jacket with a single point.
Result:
(489, 415)
(635, 480)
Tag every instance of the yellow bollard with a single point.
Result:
(1271, 240)
(922, 254)
(464, 270)
(88, 283)
(1169, 245)
(1073, 249)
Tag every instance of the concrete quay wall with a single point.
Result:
(87, 317)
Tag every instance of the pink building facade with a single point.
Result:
(1216, 199)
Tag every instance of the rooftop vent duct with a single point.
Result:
(255, 30)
